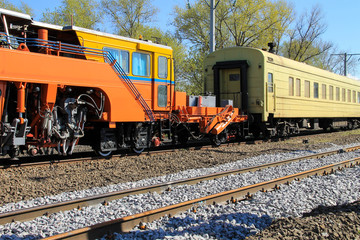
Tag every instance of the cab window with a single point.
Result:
(121, 56)
(162, 96)
(162, 67)
(141, 64)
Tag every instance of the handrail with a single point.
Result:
(58, 46)
(109, 58)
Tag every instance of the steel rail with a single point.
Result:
(126, 224)
(24, 161)
(18, 163)
(31, 213)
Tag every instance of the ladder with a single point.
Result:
(109, 58)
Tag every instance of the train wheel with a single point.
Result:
(103, 153)
(137, 150)
(217, 140)
(183, 139)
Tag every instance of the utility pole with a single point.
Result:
(212, 7)
(346, 55)
(212, 26)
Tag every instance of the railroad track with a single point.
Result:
(31, 213)
(42, 160)
(91, 156)
(126, 224)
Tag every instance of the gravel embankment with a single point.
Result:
(237, 221)
(70, 220)
(59, 180)
(18, 184)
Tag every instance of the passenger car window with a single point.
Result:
(331, 92)
(121, 56)
(354, 96)
(141, 64)
(162, 67)
(316, 90)
(270, 83)
(298, 87)
(349, 95)
(291, 86)
(307, 89)
(162, 96)
(337, 94)
(343, 95)
(323, 91)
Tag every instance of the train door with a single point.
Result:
(231, 82)
(270, 93)
(230, 86)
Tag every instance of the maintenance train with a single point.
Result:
(280, 95)
(64, 86)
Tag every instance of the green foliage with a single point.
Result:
(191, 80)
(128, 16)
(83, 12)
(24, 8)
(243, 23)
(252, 23)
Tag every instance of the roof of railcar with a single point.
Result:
(98, 33)
(286, 62)
(26, 17)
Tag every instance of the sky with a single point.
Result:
(342, 18)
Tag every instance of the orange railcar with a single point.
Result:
(94, 88)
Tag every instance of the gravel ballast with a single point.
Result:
(84, 175)
(17, 184)
(70, 220)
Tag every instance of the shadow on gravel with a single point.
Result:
(15, 237)
(351, 207)
(227, 226)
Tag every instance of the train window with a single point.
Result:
(234, 77)
(307, 89)
(141, 64)
(354, 97)
(323, 91)
(316, 90)
(337, 94)
(162, 96)
(349, 95)
(162, 67)
(358, 97)
(298, 87)
(270, 82)
(331, 92)
(121, 56)
(343, 95)
(291, 86)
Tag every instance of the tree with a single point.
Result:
(128, 16)
(304, 43)
(24, 8)
(240, 23)
(251, 23)
(83, 12)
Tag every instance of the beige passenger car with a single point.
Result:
(281, 95)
